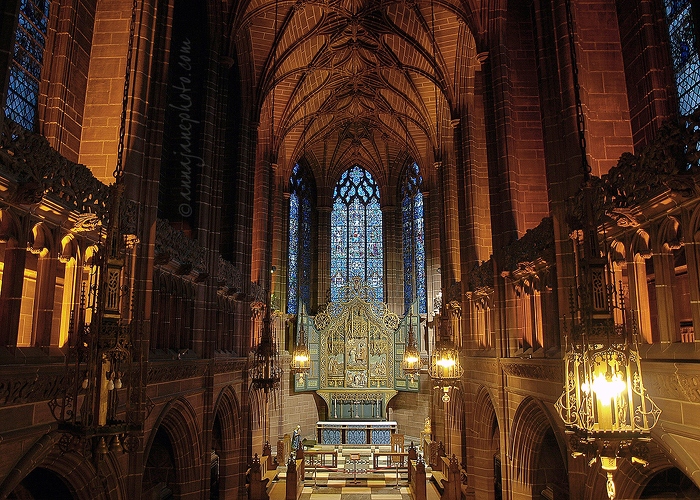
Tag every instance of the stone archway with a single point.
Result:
(486, 471)
(173, 453)
(226, 444)
(537, 459)
(65, 473)
(42, 483)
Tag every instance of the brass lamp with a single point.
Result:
(605, 407)
(445, 368)
(301, 359)
(410, 364)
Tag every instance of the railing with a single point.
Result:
(317, 459)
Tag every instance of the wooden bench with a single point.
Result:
(295, 477)
(447, 478)
(416, 478)
(261, 474)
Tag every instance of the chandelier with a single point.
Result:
(100, 363)
(605, 407)
(410, 363)
(266, 371)
(444, 366)
(301, 359)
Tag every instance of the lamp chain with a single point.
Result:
(119, 168)
(580, 121)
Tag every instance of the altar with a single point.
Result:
(355, 432)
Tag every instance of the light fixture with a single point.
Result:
(604, 405)
(301, 359)
(444, 367)
(410, 364)
(265, 370)
(101, 362)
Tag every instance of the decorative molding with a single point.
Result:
(481, 276)
(175, 370)
(174, 247)
(675, 386)
(33, 387)
(229, 365)
(669, 163)
(230, 277)
(536, 244)
(38, 170)
(535, 370)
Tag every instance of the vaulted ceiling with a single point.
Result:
(357, 81)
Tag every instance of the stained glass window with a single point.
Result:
(356, 232)
(413, 237)
(682, 32)
(299, 268)
(28, 55)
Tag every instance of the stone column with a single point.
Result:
(11, 291)
(393, 257)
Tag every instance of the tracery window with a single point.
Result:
(356, 232)
(27, 60)
(299, 265)
(683, 34)
(413, 236)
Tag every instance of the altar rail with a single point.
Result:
(355, 433)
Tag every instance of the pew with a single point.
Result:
(416, 478)
(295, 477)
(447, 478)
(261, 474)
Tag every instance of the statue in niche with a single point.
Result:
(351, 356)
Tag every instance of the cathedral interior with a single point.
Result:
(234, 232)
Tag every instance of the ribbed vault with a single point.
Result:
(340, 82)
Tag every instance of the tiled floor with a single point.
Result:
(341, 485)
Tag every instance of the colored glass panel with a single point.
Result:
(413, 239)
(682, 32)
(299, 254)
(27, 61)
(356, 232)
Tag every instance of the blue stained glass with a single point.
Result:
(27, 61)
(684, 52)
(299, 266)
(413, 239)
(356, 232)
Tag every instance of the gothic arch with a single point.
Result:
(179, 420)
(486, 442)
(77, 471)
(532, 429)
(231, 457)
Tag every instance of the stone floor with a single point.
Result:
(352, 481)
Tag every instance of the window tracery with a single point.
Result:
(27, 62)
(682, 32)
(356, 232)
(413, 236)
(299, 265)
